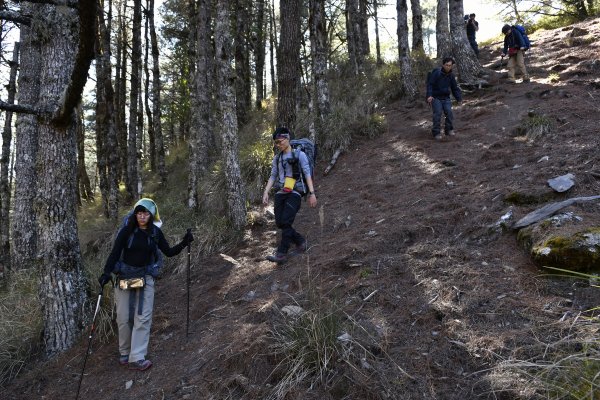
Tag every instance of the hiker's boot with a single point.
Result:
(437, 137)
(301, 248)
(526, 80)
(140, 365)
(124, 359)
(450, 133)
(278, 258)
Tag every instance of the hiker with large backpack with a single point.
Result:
(292, 178)
(440, 84)
(472, 28)
(135, 260)
(515, 45)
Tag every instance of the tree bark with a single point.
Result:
(442, 30)
(353, 40)
(121, 94)
(84, 187)
(417, 25)
(236, 199)
(363, 16)
(132, 140)
(5, 191)
(259, 53)
(288, 64)
(466, 60)
(242, 63)
(151, 154)
(377, 44)
(24, 232)
(62, 283)
(318, 46)
(156, 99)
(200, 140)
(272, 47)
(409, 84)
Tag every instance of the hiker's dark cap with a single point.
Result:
(140, 208)
(282, 133)
(505, 29)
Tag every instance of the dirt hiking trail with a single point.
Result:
(402, 241)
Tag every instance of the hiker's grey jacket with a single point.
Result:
(280, 168)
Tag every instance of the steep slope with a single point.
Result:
(403, 241)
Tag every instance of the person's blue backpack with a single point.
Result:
(523, 33)
(310, 149)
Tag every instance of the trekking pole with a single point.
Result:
(92, 329)
(187, 323)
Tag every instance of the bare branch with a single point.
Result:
(8, 15)
(18, 108)
(66, 3)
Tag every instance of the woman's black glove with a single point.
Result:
(104, 279)
(187, 238)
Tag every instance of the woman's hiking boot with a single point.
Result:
(279, 258)
(124, 359)
(140, 365)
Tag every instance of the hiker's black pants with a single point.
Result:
(287, 206)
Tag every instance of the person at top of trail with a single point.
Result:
(291, 176)
(136, 261)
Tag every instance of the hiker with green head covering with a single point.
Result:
(135, 260)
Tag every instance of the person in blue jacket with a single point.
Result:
(440, 84)
(514, 47)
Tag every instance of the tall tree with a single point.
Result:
(84, 186)
(121, 91)
(236, 197)
(442, 30)
(156, 99)
(24, 232)
(363, 18)
(66, 54)
(353, 38)
(466, 60)
(377, 44)
(409, 84)
(259, 53)
(133, 140)
(243, 85)
(272, 47)
(5, 191)
(200, 134)
(417, 27)
(288, 63)
(318, 46)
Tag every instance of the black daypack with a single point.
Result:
(156, 260)
(306, 146)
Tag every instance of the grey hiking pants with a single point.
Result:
(134, 338)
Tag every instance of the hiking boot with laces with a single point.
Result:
(124, 359)
(140, 365)
(279, 258)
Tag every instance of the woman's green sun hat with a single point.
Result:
(152, 208)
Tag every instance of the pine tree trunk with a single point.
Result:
(111, 157)
(24, 232)
(102, 149)
(151, 139)
(466, 60)
(5, 190)
(353, 41)
(236, 199)
(409, 84)
(242, 63)
(122, 128)
(200, 133)
(156, 100)
(318, 45)
(259, 53)
(442, 30)
(288, 64)
(84, 187)
(363, 13)
(417, 25)
(132, 140)
(62, 290)
(272, 47)
(377, 44)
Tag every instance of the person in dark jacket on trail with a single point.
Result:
(472, 28)
(440, 85)
(135, 258)
(514, 47)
